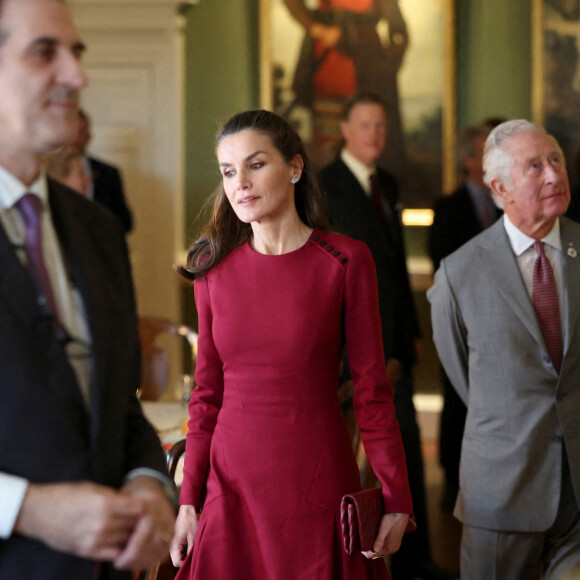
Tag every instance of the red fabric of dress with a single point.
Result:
(267, 444)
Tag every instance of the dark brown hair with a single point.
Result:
(225, 231)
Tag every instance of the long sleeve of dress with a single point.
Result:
(205, 403)
(373, 398)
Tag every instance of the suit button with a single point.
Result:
(323, 242)
(343, 260)
(556, 438)
(329, 248)
(335, 253)
(315, 238)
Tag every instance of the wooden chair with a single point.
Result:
(166, 570)
(155, 365)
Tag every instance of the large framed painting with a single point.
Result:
(556, 75)
(317, 53)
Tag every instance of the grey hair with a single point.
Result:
(497, 161)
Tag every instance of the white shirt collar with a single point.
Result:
(361, 171)
(520, 242)
(12, 189)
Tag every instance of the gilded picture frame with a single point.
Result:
(556, 75)
(425, 82)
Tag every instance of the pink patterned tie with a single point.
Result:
(545, 297)
(30, 207)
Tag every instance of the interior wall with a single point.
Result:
(222, 78)
(134, 66)
(493, 59)
(222, 72)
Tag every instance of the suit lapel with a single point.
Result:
(68, 226)
(16, 286)
(506, 277)
(348, 180)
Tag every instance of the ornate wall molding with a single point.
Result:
(110, 15)
(135, 64)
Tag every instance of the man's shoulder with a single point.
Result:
(340, 245)
(333, 170)
(476, 247)
(98, 165)
(339, 183)
(67, 202)
(457, 199)
(385, 176)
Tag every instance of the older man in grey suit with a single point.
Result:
(506, 323)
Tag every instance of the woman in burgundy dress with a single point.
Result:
(268, 456)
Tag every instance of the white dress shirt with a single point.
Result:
(361, 171)
(522, 246)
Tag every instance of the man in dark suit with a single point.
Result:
(458, 218)
(506, 313)
(83, 487)
(362, 200)
(104, 180)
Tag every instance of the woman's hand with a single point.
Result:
(185, 532)
(390, 534)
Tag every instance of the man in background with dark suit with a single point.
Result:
(458, 218)
(104, 180)
(362, 200)
(83, 488)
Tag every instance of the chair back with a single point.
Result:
(161, 360)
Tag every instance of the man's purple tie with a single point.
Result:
(30, 207)
(545, 297)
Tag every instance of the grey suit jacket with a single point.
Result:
(520, 411)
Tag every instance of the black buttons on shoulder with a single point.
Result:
(327, 245)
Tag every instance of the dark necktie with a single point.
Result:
(377, 200)
(30, 207)
(545, 298)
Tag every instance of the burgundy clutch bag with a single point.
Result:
(360, 517)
